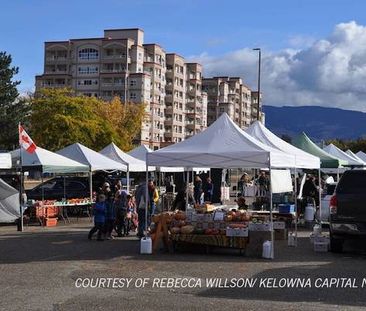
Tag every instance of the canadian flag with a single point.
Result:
(25, 141)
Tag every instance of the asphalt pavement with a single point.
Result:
(46, 269)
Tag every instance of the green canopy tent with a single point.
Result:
(326, 160)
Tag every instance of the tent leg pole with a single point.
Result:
(187, 188)
(21, 226)
(128, 181)
(296, 216)
(91, 186)
(271, 209)
(146, 197)
(320, 196)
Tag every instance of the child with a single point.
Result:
(131, 214)
(99, 211)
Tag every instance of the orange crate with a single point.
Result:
(50, 222)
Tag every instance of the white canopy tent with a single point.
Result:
(336, 152)
(303, 159)
(133, 164)
(47, 161)
(264, 135)
(361, 155)
(141, 152)
(222, 145)
(9, 203)
(354, 156)
(94, 160)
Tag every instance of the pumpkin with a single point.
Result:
(188, 229)
(228, 217)
(180, 216)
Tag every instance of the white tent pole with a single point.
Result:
(271, 208)
(187, 188)
(296, 213)
(21, 176)
(91, 186)
(337, 174)
(128, 178)
(320, 196)
(146, 197)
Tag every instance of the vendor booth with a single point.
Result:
(223, 145)
(92, 159)
(303, 160)
(45, 161)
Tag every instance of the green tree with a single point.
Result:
(13, 109)
(59, 118)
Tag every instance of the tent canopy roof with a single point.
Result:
(140, 152)
(361, 155)
(133, 164)
(94, 160)
(221, 145)
(48, 161)
(327, 161)
(336, 152)
(264, 135)
(354, 156)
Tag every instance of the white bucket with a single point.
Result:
(266, 252)
(145, 245)
(309, 213)
(317, 229)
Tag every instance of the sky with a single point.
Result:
(313, 51)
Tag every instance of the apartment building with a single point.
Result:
(179, 102)
(230, 95)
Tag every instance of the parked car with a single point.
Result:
(348, 209)
(69, 187)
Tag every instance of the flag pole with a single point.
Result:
(21, 225)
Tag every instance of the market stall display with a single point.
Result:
(223, 145)
(47, 212)
(222, 226)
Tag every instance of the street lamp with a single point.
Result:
(259, 80)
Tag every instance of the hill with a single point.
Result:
(317, 122)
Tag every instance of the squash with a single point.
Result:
(188, 229)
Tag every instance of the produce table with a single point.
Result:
(211, 240)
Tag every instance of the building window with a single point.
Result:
(133, 83)
(88, 53)
(133, 96)
(87, 82)
(87, 70)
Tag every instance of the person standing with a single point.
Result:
(141, 208)
(120, 202)
(99, 211)
(209, 190)
(153, 197)
(197, 191)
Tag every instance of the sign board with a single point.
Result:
(5, 161)
(281, 181)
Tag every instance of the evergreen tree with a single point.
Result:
(12, 108)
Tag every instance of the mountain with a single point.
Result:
(317, 122)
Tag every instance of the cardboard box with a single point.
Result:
(260, 226)
(279, 225)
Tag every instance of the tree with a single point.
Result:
(13, 109)
(59, 118)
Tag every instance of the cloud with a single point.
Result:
(328, 72)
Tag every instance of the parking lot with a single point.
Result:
(40, 266)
